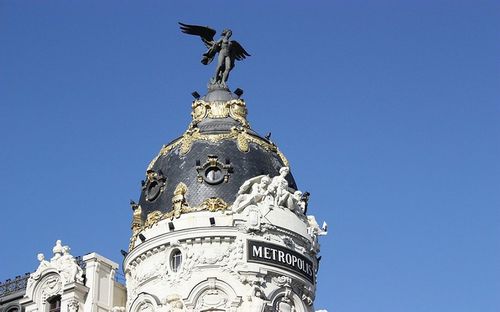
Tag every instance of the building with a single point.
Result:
(220, 226)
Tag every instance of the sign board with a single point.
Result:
(282, 257)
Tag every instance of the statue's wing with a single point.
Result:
(247, 186)
(237, 51)
(206, 33)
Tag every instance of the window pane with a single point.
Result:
(176, 260)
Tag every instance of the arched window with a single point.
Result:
(55, 304)
(13, 309)
(176, 260)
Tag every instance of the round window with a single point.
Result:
(213, 175)
(176, 260)
(153, 190)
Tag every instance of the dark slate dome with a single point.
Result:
(213, 158)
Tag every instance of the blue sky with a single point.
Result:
(388, 112)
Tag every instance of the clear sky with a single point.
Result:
(387, 110)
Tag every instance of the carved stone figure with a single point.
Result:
(314, 229)
(179, 199)
(252, 192)
(57, 250)
(136, 218)
(279, 185)
(228, 50)
(63, 263)
(276, 191)
(44, 264)
(69, 268)
(73, 306)
(305, 202)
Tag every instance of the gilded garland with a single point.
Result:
(235, 109)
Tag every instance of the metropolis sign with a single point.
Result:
(261, 252)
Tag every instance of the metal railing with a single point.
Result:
(18, 283)
(11, 286)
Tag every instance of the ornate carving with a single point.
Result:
(57, 251)
(212, 300)
(154, 184)
(292, 286)
(252, 192)
(315, 231)
(238, 111)
(153, 264)
(281, 280)
(63, 263)
(69, 268)
(136, 218)
(273, 192)
(214, 203)
(44, 264)
(235, 109)
(179, 200)
(137, 223)
(153, 218)
(213, 171)
(240, 135)
(188, 138)
(260, 190)
(179, 206)
(242, 140)
(51, 286)
(73, 305)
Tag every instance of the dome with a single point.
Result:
(211, 160)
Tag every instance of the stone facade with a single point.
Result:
(85, 286)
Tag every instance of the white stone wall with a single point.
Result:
(62, 277)
(215, 272)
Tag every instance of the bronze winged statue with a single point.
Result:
(229, 50)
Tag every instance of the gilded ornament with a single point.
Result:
(188, 138)
(239, 134)
(136, 218)
(153, 218)
(218, 110)
(179, 199)
(199, 110)
(238, 111)
(214, 203)
(235, 109)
